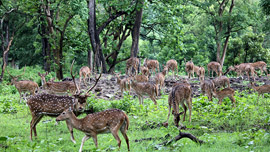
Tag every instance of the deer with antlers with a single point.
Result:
(132, 63)
(180, 94)
(226, 92)
(145, 88)
(111, 120)
(214, 66)
(208, 87)
(85, 72)
(172, 65)
(24, 85)
(260, 65)
(124, 84)
(260, 89)
(160, 77)
(189, 68)
(53, 105)
(152, 65)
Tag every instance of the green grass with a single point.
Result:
(223, 128)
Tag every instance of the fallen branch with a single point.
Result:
(180, 136)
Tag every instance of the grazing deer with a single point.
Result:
(233, 68)
(160, 77)
(208, 87)
(85, 72)
(189, 68)
(111, 120)
(226, 92)
(201, 73)
(124, 84)
(23, 85)
(152, 65)
(214, 66)
(221, 81)
(260, 89)
(241, 68)
(180, 94)
(172, 65)
(132, 63)
(250, 69)
(145, 71)
(145, 88)
(53, 105)
(260, 65)
(141, 78)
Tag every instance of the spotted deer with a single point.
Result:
(41, 105)
(249, 69)
(85, 72)
(260, 89)
(124, 84)
(201, 73)
(189, 68)
(260, 65)
(160, 77)
(152, 65)
(145, 71)
(132, 63)
(24, 85)
(141, 78)
(208, 87)
(180, 94)
(214, 66)
(111, 120)
(221, 81)
(145, 88)
(172, 65)
(226, 92)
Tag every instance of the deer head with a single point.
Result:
(15, 78)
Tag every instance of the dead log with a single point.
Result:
(180, 136)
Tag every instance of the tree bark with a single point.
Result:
(136, 31)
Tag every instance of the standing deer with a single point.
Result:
(172, 65)
(141, 78)
(132, 63)
(226, 92)
(24, 85)
(221, 81)
(189, 68)
(260, 65)
(260, 89)
(160, 78)
(152, 65)
(208, 87)
(124, 84)
(111, 120)
(145, 88)
(85, 72)
(214, 66)
(180, 94)
(43, 77)
(250, 69)
(53, 105)
(201, 73)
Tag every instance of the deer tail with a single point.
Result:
(127, 120)
(156, 89)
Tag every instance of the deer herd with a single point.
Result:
(65, 100)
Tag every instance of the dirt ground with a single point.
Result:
(108, 89)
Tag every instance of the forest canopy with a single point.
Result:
(50, 34)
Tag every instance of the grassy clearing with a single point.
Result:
(223, 128)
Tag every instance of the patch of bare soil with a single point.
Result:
(107, 87)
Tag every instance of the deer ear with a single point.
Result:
(39, 73)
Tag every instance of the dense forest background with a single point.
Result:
(51, 33)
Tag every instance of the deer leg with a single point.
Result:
(83, 140)
(123, 131)
(116, 136)
(189, 103)
(220, 100)
(233, 100)
(34, 122)
(70, 128)
(170, 106)
(185, 110)
(154, 99)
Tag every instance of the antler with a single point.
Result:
(73, 78)
(97, 79)
(10, 74)
(23, 72)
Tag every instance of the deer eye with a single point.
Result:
(63, 113)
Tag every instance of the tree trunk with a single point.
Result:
(89, 59)
(5, 56)
(136, 32)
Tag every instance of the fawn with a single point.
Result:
(226, 92)
(260, 89)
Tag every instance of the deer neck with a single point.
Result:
(75, 122)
